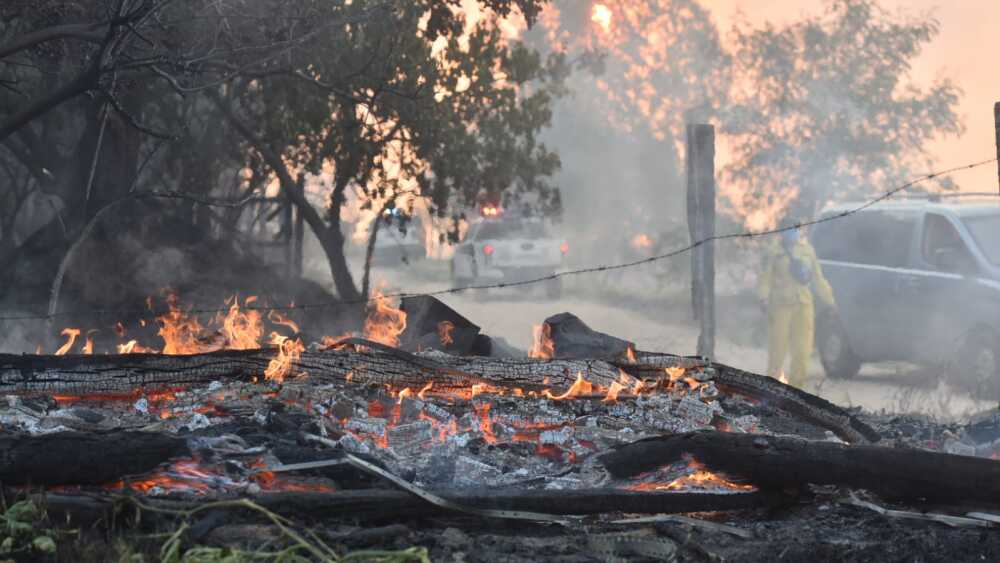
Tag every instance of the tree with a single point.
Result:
(393, 96)
(399, 107)
(824, 108)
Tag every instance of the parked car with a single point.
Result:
(916, 280)
(502, 249)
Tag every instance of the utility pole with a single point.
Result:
(701, 226)
(996, 126)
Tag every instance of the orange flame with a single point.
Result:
(542, 346)
(384, 323)
(580, 387)
(88, 345)
(70, 334)
(242, 330)
(289, 351)
(444, 332)
(700, 478)
(422, 394)
(179, 330)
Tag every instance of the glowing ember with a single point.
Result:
(542, 346)
(70, 334)
(384, 323)
(444, 332)
(182, 476)
(602, 16)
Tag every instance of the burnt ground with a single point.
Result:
(823, 531)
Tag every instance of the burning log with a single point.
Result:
(132, 373)
(79, 458)
(777, 463)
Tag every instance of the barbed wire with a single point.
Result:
(554, 276)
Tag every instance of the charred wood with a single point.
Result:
(777, 463)
(125, 374)
(80, 458)
(572, 338)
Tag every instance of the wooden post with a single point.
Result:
(701, 226)
(996, 125)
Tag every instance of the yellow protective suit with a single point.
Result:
(790, 310)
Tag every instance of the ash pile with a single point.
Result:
(428, 439)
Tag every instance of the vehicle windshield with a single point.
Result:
(985, 230)
(510, 229)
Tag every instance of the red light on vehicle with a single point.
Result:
(488, 249)
(564, 248)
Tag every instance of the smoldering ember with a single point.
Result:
(498, 280)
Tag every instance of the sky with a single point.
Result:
(966, 50)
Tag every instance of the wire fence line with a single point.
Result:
(557, 275)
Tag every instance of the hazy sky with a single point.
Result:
(966, 50)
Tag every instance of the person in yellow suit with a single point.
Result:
(790, 278)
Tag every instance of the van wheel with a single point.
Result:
(977, 364)
(839, 361)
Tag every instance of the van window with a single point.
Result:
(986, 231)
(878, 238)
(942, 246)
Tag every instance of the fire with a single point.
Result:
(630, 354)
(289, 351)
(384, 323)
(404, 394)
(675, 373)
(542, 346)
(279, 319)
(70, 334)
(185, 475)
(602, 16)
(88, 346)
(699, 478)
(580, 387)
(613, 392)
(242, 330)
(641, 242)
(133, 347)
(422, 394)
(179, 330)
(444, 332)
(485, 422)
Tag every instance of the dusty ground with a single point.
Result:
(660, 321)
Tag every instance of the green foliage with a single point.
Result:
(825, 106)
(24, 531)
